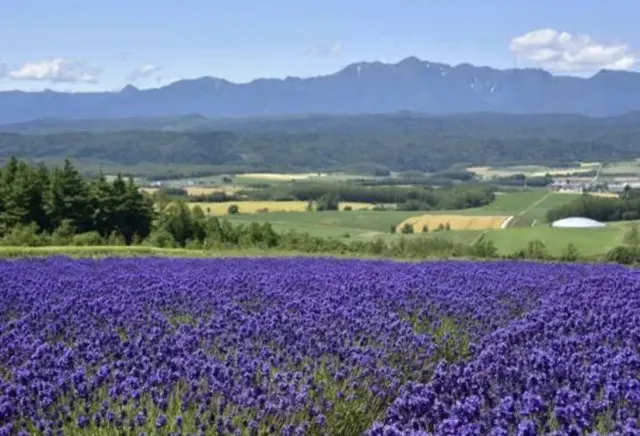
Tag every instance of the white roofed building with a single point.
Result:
(577, 223)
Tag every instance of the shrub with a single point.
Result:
(623, 254)
(630, 215)
(406, 228)
(63, 235)
(233, 209)
(347, 208)
(536, 250)
(161, 238)
(328, 202)
(25, 236)
(570, 253)
(87, 239)
(425, 229)
(116, 239)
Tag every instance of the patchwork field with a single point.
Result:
(201, 190)
(528, 210)
(317, 347)
(530, 170)
(242, 180)
(454, 222)
(251, 207)
(283, 176)
(629, 168)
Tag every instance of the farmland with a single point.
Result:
(454, 222)
(252, 207)
(311, 346)
(531, 170)
(528, 210)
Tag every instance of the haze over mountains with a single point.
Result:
(361, 88)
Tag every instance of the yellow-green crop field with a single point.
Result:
(246, 207)
(455, 222)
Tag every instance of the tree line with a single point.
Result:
(61, 199)
(40, 207)
(462, 196)
(368, 144)
(625, 207)
(407, 198)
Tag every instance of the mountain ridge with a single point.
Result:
(359, 88)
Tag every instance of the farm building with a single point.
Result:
(577, 223)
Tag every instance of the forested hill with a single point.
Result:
(363, 87)
(485, 124)
(398, 142)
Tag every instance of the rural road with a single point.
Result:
(506, 222)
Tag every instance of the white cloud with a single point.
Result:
(57, 70)
(326, 50)
(566, 52)
(143, 72)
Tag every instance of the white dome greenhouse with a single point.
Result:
(577, 223)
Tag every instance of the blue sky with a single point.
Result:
(99, 44)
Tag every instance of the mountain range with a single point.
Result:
(360, 88)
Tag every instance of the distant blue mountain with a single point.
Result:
(361, 88)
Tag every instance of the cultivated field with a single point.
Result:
(528, 210)
(202, 190)
(252, 207)
(454, 222)
(241, 180)
(531, 170)
(628, 168)
(283, 176)
(317, 347)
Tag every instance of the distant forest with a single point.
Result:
(398, 142)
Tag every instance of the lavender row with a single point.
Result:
(302, 346)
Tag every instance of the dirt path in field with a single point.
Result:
(508, 221)
(535, 204)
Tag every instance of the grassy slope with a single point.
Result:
(367, 225)
(528, 208)
(590, 242)
(324, 223)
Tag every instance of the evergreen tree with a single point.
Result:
(178, 221)
(328, 202)
(6, 186)
(69, 199)
(104, 204)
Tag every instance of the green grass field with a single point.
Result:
(357, 221)
(628, 168)
(528, 209)
(534, 203)
(240, 180)
(589, 242)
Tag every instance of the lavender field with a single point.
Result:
(317, 347)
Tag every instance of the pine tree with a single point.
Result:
(141, 213)
(104, 205)
(69, 199)
(177, 220)
(6, 186)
